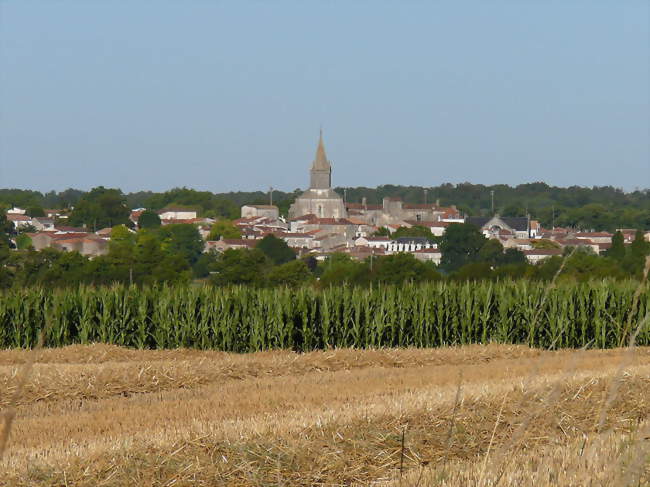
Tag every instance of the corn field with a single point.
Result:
(241, 319)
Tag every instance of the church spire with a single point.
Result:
(320, 162)
(321, 170)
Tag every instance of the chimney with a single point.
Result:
(364, 202)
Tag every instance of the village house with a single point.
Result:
(409, 244)
(373, 242)
(394, 211)
(595, 237)
(224, 244)
(43, 224)
(19, 220)
(266, 211)
(535, 256)
(177, 213)
(429, 255)
(494, 226)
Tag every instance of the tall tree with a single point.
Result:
(276, 249)
(182, 239)
(100, 208)
(149, 219)
(240, 266)
(617, 250)
(460, 245)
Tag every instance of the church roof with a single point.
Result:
(320, 162)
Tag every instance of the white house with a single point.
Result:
(19, 220)
(535, 256)
(176, 213)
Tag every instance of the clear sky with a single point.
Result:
(229, 95)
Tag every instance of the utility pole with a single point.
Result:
(492, 197)
(553, 216)
(426, 191)
(345, 196)
(271, 195)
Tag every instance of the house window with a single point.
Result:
(418, 217)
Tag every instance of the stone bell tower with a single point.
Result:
(321, 169)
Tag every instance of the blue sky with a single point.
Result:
(230, 95)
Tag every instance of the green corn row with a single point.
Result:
(242, 319)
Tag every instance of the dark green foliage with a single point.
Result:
(341, 269)
(100, 208)
(276, 249)
(247, 319)
(149, 219)
(474, 271)
(460, 245)
(491, 253)
(35, 211)
(182, 239)
(240, 266)
(290, 274)
(415, 231)
(208, 204)
(513, 256)
(617, 250)
(401, 268)
(634, 260)
(23, 241)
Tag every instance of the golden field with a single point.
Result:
(476, 415)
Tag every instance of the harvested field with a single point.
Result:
(474, 415)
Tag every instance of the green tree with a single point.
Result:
(35, 211)
(340, 268)
(290, 274)
(583, 266)
(415, 231)
(182, 239)
(544, 244)
(149, 219)
(474, 271)
(513, 257)
(460, 245)
(224, 229)
(101, 208)
(205, 264)
(634, 260)
(276, 249)
(23, 241)
(240, 266)
(617, 250)
(491, 252)
(403, 267)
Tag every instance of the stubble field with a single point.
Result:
(476, 415)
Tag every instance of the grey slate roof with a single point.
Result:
(516, 223)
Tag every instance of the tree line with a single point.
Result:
(597, 208)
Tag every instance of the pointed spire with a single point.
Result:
(320, 162)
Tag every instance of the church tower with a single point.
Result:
(320, 200)
(321, 169)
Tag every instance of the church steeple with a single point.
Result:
(321, 169)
